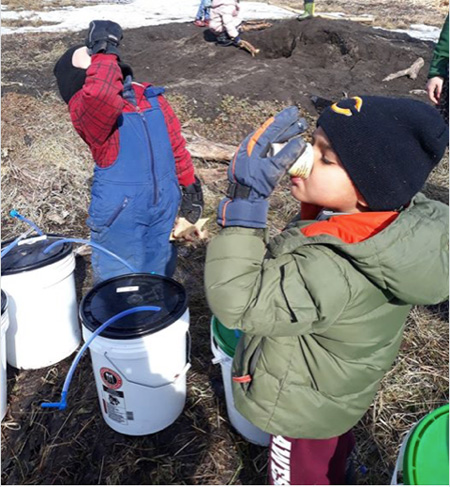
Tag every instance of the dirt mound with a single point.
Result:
(297, 59)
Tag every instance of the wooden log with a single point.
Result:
(203, 148)
(412, 71)
(255, 25)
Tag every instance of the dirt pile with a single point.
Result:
(297, 59)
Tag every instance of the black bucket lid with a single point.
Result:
(4, 301)
(29, 254)
(125, 292)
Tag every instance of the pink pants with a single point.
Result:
(309, 462)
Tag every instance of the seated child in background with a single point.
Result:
(140, 156)
(323, 305)
(226, 23)
(203, 15)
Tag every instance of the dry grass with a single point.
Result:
(26, 22)
(45, 166)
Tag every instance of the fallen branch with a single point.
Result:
(249, 25)
(412, 71)
(206, 149)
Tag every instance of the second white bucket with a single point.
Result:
(139, 362)
(42, 304)
(248, 430)
(4, 327)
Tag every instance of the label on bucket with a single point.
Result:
(115, 407)
(127, 289)
(110, 378)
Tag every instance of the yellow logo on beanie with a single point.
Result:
(347, 111)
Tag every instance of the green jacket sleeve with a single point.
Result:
(287, 295)
(439, 63)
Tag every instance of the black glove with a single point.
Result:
(192, 201)
(104, 36)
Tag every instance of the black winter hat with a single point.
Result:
(388, 146)
(69, 78)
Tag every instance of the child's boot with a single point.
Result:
(224, 40)
(309, 7)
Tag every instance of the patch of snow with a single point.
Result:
(421, 31)
(138, 13)
(418, 31)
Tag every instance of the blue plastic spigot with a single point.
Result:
(61, 405)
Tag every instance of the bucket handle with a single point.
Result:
(180, 374)
(188, 345)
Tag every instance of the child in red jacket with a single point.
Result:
(140, 156)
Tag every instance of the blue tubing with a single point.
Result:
(16, 214)
(92, 244)
(63, 403)
(9, 247)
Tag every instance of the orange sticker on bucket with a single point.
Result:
(110, 378)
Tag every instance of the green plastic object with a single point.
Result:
(226, 339)
(426, 459)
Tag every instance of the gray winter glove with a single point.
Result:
(253, 174)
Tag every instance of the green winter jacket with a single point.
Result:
(322, 319)
(439, 63)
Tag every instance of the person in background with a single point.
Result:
(309, 9)
(226, 23)
(323, 305)
(203, 14)
(140, 156)
(437, 86)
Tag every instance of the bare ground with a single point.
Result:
(221, 94)
(398, 14)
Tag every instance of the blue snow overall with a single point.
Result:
(135, 200)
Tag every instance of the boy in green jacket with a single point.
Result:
(437, 86)
(323, 305)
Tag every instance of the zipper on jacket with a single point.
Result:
(119, 210)
(152, 156)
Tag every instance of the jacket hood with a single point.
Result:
(409, 258)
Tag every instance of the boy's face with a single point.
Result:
(328, 185)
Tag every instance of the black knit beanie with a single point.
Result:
(388, 146)
(69, 78)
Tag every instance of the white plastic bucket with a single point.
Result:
(43, 311)
(246, 429)
(141, 382)
(4, 327)
(398, 470)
